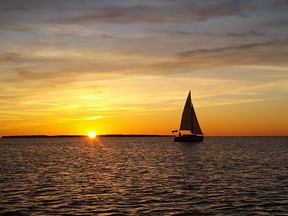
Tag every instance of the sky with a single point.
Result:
(126, 66)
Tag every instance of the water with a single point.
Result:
(144, 176)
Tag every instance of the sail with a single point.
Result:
(189, 120)
(186, 121)
(195, 124)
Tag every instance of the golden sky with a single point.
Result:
(71, 66)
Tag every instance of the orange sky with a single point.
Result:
(79, 67)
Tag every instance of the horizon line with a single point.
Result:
(100, 135)
(126, 135)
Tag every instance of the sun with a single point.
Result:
(92, 134)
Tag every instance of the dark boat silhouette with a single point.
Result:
(190, 124)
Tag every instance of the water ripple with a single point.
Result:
(144, 176)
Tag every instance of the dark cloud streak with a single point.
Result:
(149, 14)
(129, 12)
(263, 53)
(245, 47)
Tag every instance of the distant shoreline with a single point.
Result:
(73, 136)
(114, 135)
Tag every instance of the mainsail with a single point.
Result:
(189, 120)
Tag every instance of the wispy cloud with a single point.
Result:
(245, 47)
(260, 53)
(143, 13)
(151, 12)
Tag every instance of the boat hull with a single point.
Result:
(189, 138)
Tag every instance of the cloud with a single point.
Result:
(155, 13)
(246, 34)
(251, 55)
(167, 11)
(91, 118)
(283, 24)
(280, 4)
(24, 5)
(249, 46)
(9, 56)
(130, 12)
(269, 52)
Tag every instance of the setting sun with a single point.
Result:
(92, 134)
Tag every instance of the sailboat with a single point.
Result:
(189, 123)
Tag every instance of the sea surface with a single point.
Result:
(144, 176)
